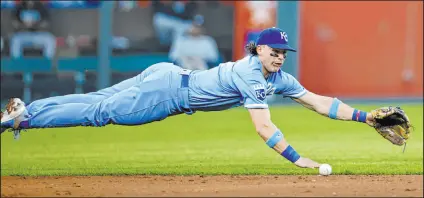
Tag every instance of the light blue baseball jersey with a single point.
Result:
(239, 83)
(156, 94)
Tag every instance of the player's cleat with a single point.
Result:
(3, 128)
(14, 108)
(14, 114)
(7, 124)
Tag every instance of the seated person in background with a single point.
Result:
(172, 18)
(194, 50)
(30, 24)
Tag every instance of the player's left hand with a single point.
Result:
(391, 123)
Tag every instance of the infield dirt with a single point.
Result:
(182, 186)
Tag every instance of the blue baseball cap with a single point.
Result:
(274, 38)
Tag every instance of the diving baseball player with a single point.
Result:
(165, 90)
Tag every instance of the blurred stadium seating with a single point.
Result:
(327, 44)
(75, 24)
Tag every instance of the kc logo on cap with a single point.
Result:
(274, 38)
(284, 36)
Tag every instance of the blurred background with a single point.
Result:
(353, 50)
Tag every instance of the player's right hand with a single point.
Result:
(303, 162)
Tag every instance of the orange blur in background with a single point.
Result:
(362, 49)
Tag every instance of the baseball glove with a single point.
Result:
(392, 123)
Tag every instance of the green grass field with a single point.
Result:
(210, 144)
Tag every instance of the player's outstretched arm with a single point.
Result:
(392, 123)
(334, 108)
(274, 138)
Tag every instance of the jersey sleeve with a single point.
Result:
(288, 86)
(253, 90)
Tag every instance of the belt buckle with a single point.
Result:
(185, 72)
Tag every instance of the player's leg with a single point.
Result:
(93, 97)
(109, 91)
(89, 98)
(136, 105)
(158, 97)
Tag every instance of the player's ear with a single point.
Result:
(259, 48)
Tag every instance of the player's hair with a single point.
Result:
(251, 48)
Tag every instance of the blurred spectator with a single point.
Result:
(120, 42)
(195, 50)
(30, 21)
(126, 6)
(172, 18)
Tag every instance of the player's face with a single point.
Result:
(272, 59)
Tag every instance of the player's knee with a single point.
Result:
(100, 116)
